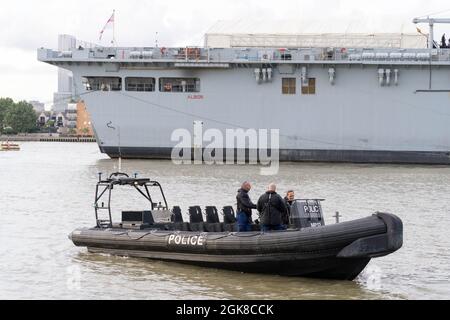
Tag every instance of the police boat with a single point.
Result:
(309, 248)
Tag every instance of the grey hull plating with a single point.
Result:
(346, 156)
(339, 251)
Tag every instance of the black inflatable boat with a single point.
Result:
(308, 248)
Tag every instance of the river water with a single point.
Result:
(47, 191)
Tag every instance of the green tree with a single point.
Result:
(50, 124)
(21, 117)
(5, 104)
(8, 130)
(85, 131)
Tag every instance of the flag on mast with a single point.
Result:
(108, 25)
(420, 31)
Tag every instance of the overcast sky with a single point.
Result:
(28, 24)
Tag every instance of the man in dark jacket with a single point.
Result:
(244, 208)
(271, 208)
(288, 201)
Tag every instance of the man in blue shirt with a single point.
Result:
(244, 208)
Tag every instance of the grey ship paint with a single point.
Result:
(373, 105)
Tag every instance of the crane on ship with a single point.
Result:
(431, 22)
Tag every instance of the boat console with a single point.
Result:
(307, 214)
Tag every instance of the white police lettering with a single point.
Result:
(186, 240)
(311, 209)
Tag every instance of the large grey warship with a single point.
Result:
(380, 104)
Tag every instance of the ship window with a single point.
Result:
(289, 85)
(179, 85)
(140, 84)
(102, 83)
(286, 56)
(310, 88)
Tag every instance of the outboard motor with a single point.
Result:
(307, 214)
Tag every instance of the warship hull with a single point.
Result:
(286, 155)
(372, 106)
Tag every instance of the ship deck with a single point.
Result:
(226, 58)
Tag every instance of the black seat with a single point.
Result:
(229, 216)
(213, 222)
(229, 220)
(197, 223)
(177, 219)
(195, 214)
(177, 216)
(212, 215)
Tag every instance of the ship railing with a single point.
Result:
(263, 55)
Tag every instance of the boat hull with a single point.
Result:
(340, 251)
(314, 266)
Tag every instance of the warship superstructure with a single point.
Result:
(386, 104)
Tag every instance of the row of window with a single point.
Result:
(142, 84)
(289, 86)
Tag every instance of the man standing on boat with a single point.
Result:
(288, 201)
(244, 208)
(272, 209)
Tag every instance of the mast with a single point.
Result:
(431, 22)
(114, 28)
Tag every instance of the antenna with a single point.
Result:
(109, 125)
(120, 152)
(114, 29)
